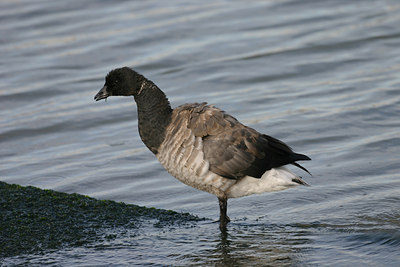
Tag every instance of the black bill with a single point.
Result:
(102, 94)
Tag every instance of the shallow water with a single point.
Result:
(321, 75)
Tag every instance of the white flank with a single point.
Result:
(276, 179)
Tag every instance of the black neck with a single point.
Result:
(154, 115)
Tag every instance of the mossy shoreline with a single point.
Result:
(34, 220)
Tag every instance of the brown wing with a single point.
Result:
(235, 150)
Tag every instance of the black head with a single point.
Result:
(120, 82)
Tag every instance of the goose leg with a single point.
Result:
(223, 218)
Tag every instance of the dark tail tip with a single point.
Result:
(296, 157)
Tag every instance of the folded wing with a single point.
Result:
(235, 150)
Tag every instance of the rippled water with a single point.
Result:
(321, 75)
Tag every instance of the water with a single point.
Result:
(321, 75)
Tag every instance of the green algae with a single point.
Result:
(34, 220)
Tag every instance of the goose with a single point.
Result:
(204, 147)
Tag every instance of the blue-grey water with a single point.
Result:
(323, 76)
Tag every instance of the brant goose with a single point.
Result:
(204, 147)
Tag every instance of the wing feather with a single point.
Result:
(233, 149)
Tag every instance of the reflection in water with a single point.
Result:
(223, 247)
(253, 244)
